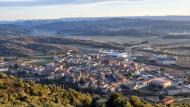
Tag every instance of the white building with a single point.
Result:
(163, 59)
(115, 54)
(3, 69)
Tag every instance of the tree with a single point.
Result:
(135, 101)
(98, 102)
(162, 69)
(118, 100)
(127, 104)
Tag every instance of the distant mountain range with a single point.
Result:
(107, 26)
(16, 38)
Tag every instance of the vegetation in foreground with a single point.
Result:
(16, 92)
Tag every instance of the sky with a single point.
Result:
(54, 9)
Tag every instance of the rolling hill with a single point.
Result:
(23, 46)
(120, 26)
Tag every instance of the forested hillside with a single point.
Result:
(20, 93)
(17, 92)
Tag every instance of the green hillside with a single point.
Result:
(16, 92)
(19, 93)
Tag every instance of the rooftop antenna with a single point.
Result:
(129, 54)
(129, 49)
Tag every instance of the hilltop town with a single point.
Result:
(95, 53)
(107, 71)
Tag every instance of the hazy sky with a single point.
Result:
(48, 9)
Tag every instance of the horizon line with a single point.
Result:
(4, 20)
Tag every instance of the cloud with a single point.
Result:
(13, 3)
(51, 9)
(20, 3)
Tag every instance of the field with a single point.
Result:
(40, 60)
(39, 50)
